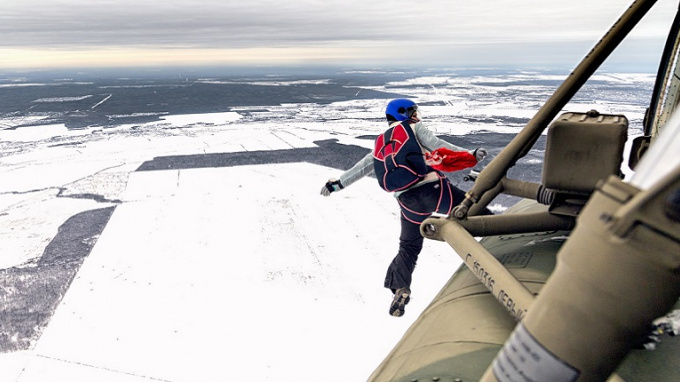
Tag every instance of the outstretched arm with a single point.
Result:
(431, 142)
(359, 170)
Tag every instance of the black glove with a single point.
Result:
(331, 186)
(479, 154)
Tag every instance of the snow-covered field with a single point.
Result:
(212, 273)
(217, 273)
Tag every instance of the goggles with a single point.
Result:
(413, 113)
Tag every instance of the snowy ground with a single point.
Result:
(206, 273)
(200, 249)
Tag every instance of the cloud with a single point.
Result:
(395, 30)
(205, 24)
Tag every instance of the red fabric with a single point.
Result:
(443, 159)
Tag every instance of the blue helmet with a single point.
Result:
(400, 109)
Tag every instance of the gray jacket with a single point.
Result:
(427, 140)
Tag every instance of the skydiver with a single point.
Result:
(414, 174)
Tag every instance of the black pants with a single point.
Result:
(416, 206)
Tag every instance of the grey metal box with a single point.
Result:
(583, 148)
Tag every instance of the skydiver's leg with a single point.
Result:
(416, 205)
(399, 273)
(410, 244)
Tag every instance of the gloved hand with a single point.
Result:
(331, 186)
(480, 154)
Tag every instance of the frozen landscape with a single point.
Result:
(191, 243)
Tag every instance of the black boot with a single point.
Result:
(401, 297)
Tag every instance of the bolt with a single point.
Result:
(460, 212)
(435, 378)
(430, 229)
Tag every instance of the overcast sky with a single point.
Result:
(433, 33)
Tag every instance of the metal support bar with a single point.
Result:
(522, 189)
(519, 146)
(603, 317)
(516, 223)
(514, 296)
(636, 211)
